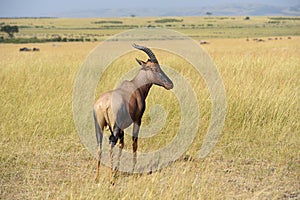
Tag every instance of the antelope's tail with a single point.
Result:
(99, 134)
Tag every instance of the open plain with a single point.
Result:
(256, 157)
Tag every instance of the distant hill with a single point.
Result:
(224, 10)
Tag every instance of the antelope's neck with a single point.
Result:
(142, 83)
(144, 90)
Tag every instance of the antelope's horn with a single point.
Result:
(147, 51)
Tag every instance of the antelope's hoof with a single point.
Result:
(112, 182)
(133, 170)
(97, 178)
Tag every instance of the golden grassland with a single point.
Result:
(256, 157)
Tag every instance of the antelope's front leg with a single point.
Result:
(135, 134)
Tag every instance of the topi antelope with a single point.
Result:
(119, 108)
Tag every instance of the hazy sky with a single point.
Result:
(21, 8)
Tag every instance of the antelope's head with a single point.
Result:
(154, 73)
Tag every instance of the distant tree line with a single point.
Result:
(285, 18)
(108, 22)
(168, 20)
(28, 17)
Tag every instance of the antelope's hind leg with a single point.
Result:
(99, 136)
(113, 139)
(98, 163)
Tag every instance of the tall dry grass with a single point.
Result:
(257, 155)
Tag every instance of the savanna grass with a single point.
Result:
(257, 155)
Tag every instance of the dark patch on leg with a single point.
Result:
(113, 140)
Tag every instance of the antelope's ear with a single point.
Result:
(140, 62)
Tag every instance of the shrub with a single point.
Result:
(10, 30)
